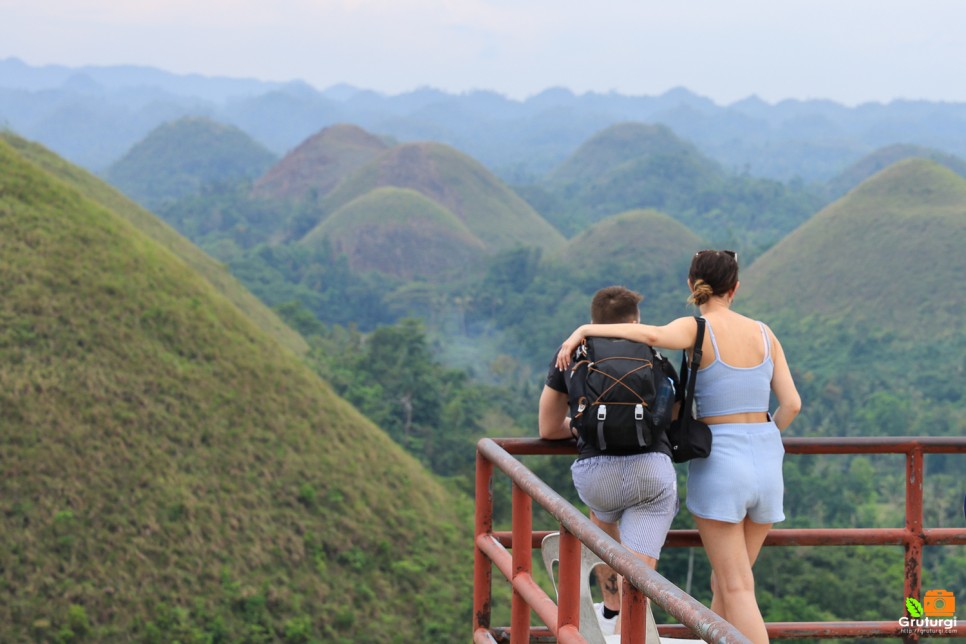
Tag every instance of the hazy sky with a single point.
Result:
(850, 51)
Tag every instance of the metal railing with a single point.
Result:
(562, 617)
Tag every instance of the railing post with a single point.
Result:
(914, 531)
(568, 586)
(633, 614)
(522, 563)
(482, 566)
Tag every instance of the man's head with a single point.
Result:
(615, 304)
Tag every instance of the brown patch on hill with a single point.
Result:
(320, 163)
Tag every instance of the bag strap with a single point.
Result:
(689, 373)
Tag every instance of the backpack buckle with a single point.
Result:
(602, 412)
(639, 412)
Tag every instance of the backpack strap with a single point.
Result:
(643, 431)
(689, 373)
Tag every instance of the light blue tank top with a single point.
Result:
(722, 389)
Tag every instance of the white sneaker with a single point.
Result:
(607, 626)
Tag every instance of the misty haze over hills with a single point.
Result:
(93, 115)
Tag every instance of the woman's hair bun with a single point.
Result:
(701, 292)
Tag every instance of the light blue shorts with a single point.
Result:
(638, 492)
(742, 477)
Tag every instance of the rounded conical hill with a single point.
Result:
(95, 189)
(493, 212)
(612, 148)
(883, 158)
(171, 474)
(399, 232)
(320, 162)
(888, 256)
(177, 158)
(642, 249)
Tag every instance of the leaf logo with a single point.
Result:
(914, 607)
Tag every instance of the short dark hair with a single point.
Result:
(615, 304)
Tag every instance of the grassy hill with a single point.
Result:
(171, 474)
(880, 257)
(493, 212)
(178, 158)
(636, 165)
(883, 158)
(96, 190)
(315, 167)
(613, 147)
(399, 232)
(864, 296)
(539, 301)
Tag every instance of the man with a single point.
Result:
(632, 494)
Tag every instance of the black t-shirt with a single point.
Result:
(557, 380)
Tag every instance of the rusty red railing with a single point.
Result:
(562, 617)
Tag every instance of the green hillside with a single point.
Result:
(538, 301)
(170, 474)
(493, 212)
(883, 158)
(315, 167)
(610, 149)
(636, 165)
(178, 158)
(639, 245)
(399, 232)
(879, 258)
(862, 297)
(96, 190)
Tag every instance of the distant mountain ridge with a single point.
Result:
(519, 140)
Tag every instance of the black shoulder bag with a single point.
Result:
(690, 438)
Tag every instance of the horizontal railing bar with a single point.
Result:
(824, 445)
(813, 630)
(675, 601)
(799, 537)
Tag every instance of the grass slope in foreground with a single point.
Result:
(93, 188)
(169, 473)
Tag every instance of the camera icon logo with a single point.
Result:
(939, 603)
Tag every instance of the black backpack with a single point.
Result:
(621, 394)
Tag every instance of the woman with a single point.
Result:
(736, 493)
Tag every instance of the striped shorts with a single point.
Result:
(639, 492)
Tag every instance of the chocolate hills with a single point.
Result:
(636, 165)
(96, 190)
(883, 158)
(320, 162)
(172, 474)
(399, 232)
(865, 299)
(488, 208)
(179, 157)
(879, 258)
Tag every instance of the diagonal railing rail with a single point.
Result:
(640, 581)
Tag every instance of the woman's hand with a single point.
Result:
(568, 347)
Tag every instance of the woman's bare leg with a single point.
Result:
(732, 549)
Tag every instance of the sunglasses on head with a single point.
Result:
(730, 253)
